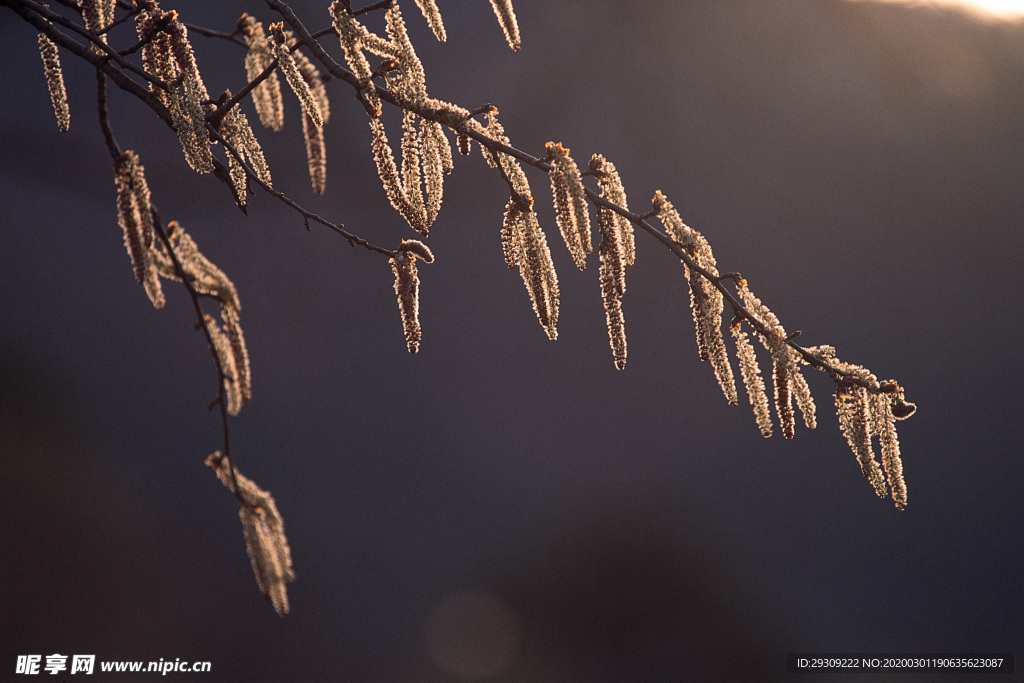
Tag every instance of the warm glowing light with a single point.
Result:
(996, 9)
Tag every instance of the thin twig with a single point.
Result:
(640, 220)
(215, 117)
(92, 37)
(353, 239)
(29, 13)
(210, 33)
(104, 116)
(525, 203)
(383, 4)
(116, 154)
(222, 376)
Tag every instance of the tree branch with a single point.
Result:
(303, 36)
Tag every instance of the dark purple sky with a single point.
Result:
(862, 165)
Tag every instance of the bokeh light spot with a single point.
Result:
(472, 635)
(992, 9)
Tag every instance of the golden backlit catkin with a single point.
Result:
(411, 185)
(750, 371)
(867, 408)
(316, 153)
(263, 528)
(672, 221)
(286, 62)
(316, 150)
(157, 53)
(157, 57)
(610, 184)
(135, 216)
(571, 212)
(412, 84)
(507, 18)
(238, 134)
(167, 54)
(802, 396)
(221, 343)
(349, 32)
(433, 16)
(706, 301)
(883, 424)
(207, 279)
(437, 161)
(761, 313)
(785, 370)
(417, 249)
(509, 164)
(443, 146)
(394, 187)
(707, 305)
(415, 189)
(525, 246)
(613, 285)
(407, 287)
(204, 276)
(253, 151)
(97, 15)
(196, 141)
(55, 82)
(227, 339)
(510, 234)
(616, 251)
(783, 398)
(538, 272)
(386, 168)
(185, 113)
(353, 37)
(855, 423)
(239, 352)
(313, 80)
(267, 95)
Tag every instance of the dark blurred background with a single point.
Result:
(500, 507)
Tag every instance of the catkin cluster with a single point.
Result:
(524, 246)
(407, 287)
(263, 57)
(206, 279)
(98, 15)
(571, 211)
(135, 216)
(178, 258)
(263, 529)
(867, 409)
(244, 148)
(416, 188)
(259, 57)
(167, 55)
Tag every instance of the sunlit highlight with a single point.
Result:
(992, 9)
